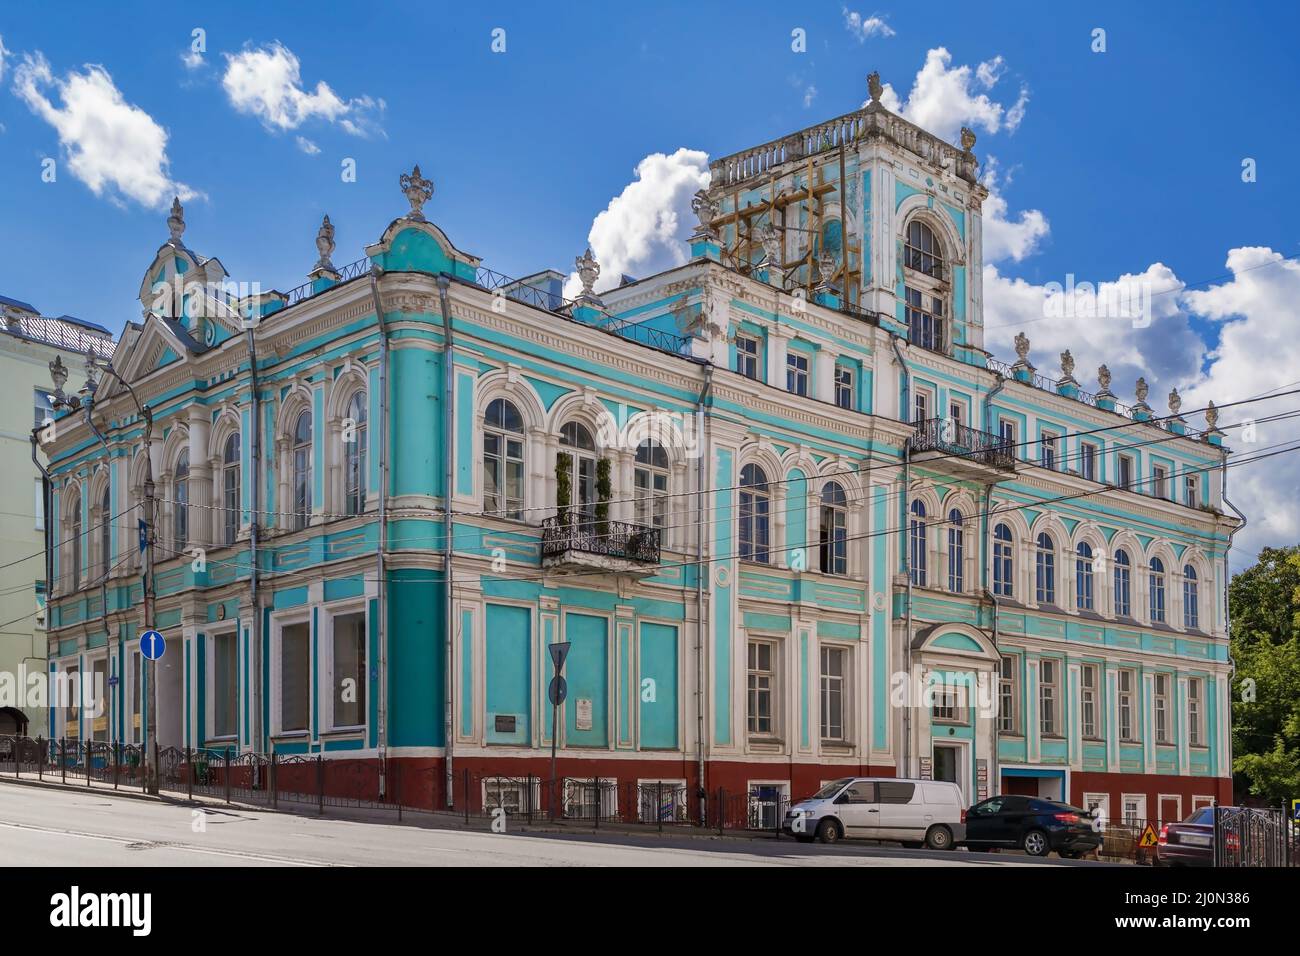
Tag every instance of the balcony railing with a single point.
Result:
(961, 441)
(611, 539)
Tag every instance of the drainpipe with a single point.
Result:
(995, 776)
(1227, 627)
(705, 400)
(382, 601)
(907, 552)
(46, 485)
(448, 425)
(254, 499)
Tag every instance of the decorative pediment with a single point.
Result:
(148, 347)
(410, 245)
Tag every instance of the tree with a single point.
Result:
(1265, 640)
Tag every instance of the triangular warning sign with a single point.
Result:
(1148, 836)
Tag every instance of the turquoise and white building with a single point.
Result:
(792, 518)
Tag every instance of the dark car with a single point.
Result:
(1032, 824)
(1190, 843)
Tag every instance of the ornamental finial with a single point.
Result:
(1175, 402)
(1022, 347)
(1067, 365)
(418, 191)
(588, 272)
(1141, 390)
(967, 138)
(176, 221)
(325, 246)
(1103, 379)
(1211, 416)
(705, 209)
(874, 86)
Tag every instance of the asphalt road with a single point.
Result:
(47, 827)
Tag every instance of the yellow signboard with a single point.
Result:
(1148, 836)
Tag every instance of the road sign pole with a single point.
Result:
(556, 692)
(555, 734)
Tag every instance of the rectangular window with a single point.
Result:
(796, 373)
(747, 356)
(72, 714)
(39, 504)
(1127, 705)
(945, 704)
(99, 690)
(762, 687)
(956, 413)
(137, 680)
(843, 386)
(1007, 695)
(920, 407)
(1125, 471)
(1190, 496)
(503, 474)
(1160, 481)
(1195, 729)
(1047, 456)
(1088, 700)
(349, 690)
(295, 677)
(924, 316)
(651, 486)
(1007, 434)
(225, 685)
(44, 407)
(833, 676)
(1088, 461)
(1048, 697)
(1162, 709)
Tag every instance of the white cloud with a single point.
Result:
(192, 59)
(266, 82)
(865, 27)
(943, 98)
(809, 95)
(642, 230)
(3, 54)
(113, 147)
(306, 145)
(1257, 353)
(1004, 237)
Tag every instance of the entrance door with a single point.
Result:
(1171, 810)
(947, 763)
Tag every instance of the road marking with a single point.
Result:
(131, 843)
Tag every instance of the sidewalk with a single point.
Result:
(409, 816)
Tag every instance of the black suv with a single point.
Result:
(1032, 824)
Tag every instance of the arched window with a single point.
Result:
(75, 534)
(917, 536)
(1045, 570)
(833, 541)
(181, 502)
(922, 252)
(578, 454)
(1157, 590)
(105, 531)
(354, 457)
(230, 489)
(1083, 577)
(302, 477)
(1123, 584)
(650, 479)
(1003, 562)
(755, 514)
(956, 552)
(924, 290)
(1191, 599)
(503, 460)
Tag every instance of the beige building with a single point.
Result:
(30, 341)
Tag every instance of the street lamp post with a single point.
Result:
(59, 375)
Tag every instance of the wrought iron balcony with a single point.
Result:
(962, 444)
(613, 545)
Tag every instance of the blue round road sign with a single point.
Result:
(152, 645)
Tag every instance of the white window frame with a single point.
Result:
(210, 652)
(1196, 722)
(1049, 456)
(1178, 797)
(1160, 481)
(680, 797)
(783, 791)
(1127, 463)
(798, 368)
(1191, 491)
(1088, 456)
(1095, 692)
(756, 355)
(773, 735)
(1101, 801)
(1014, 682)
(506, 784)
(278, 623)
(1200, 800)
(325, 653)
(846, 688)
(608, 795)
(1054, 699)
(845, 383)
(1164, 734)
(1134, 696)
(1139, 816)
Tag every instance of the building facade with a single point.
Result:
(29, 341)
(790, 517)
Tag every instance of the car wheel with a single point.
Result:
(828, 831)
(939, 838)
(1035, 843)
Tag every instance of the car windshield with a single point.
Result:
(832, 788)
(1203, 817)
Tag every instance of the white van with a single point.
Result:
(911, 812)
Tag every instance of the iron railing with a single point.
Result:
(961, 441)
(305, 291)
(615, 539)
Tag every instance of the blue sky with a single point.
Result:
(1126, 162)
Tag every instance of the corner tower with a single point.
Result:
(891, 212)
